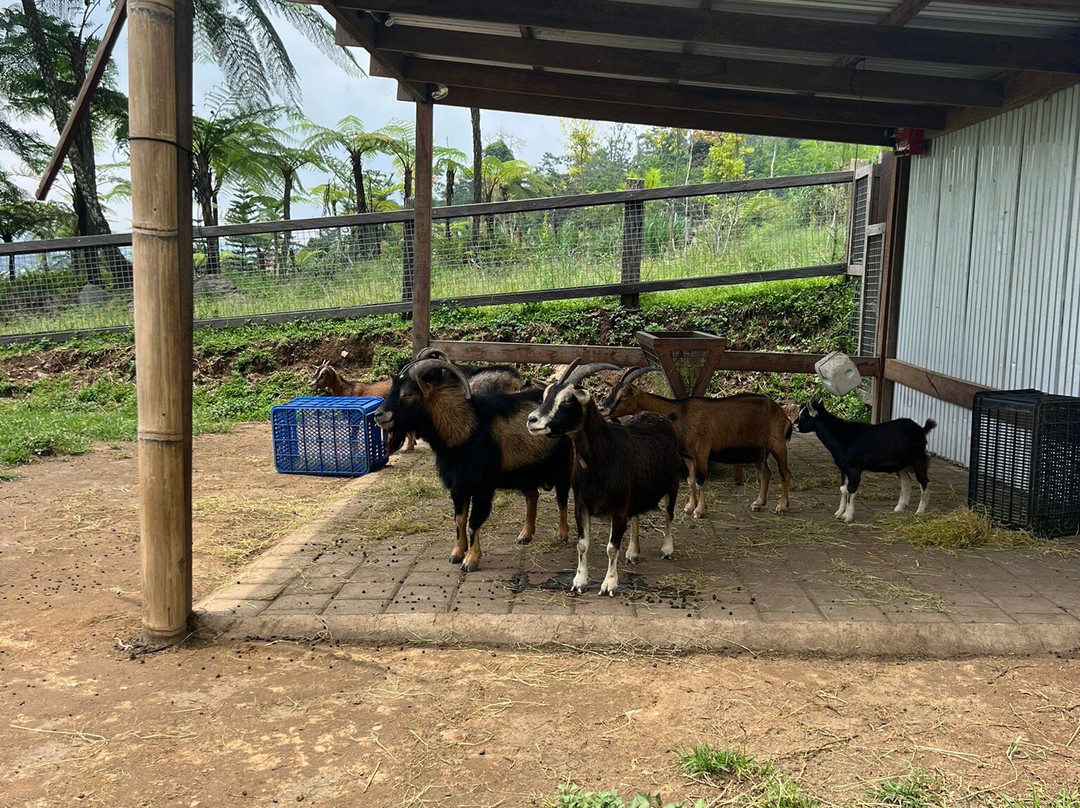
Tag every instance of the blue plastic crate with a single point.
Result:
(328, 435)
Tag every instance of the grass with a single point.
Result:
(917, 789)
(737, 780)
(333, 279)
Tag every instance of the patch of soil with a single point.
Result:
(90, 720)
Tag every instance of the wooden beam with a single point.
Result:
(1019, 89)
(898, 17)
(744, 30)
(652, 116)
(1062, 6)
(542, 354)
(650, 94)
(937, 385)
(85, 96)
(359, 29)
(159, 102)
(689, 67)
(891, 280)
(421, 291)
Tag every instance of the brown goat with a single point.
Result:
(328, 380)
(744, 428)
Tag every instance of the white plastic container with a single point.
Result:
(838, 373)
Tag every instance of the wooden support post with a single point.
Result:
(633, 232)
(421, 301)
(891, 283)
(159, 67)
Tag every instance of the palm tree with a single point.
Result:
(477, 170)
(60, 51)
(22, 216)
(227, 147)
(449, 161)
(244, 42)
(284, 160)
(350, 136)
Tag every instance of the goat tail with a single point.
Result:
(790, 429)
(930, 424)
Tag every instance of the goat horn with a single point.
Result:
(417, 368)
(565, 373)
(431, 353)
(587, 370)
(635, 373)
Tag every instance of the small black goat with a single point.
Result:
(896, 447)
(480, 444)
(621, 470)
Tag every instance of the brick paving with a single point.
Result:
(800, 581)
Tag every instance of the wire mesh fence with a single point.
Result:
(610, 243)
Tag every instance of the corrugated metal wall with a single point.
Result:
(991, 289)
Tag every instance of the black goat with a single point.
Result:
(621, 470)
(896, 447)
(480, 444)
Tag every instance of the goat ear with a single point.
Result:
(810, 408)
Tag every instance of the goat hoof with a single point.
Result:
(456, 559)
(667, 556)
(898, 509)
(781, 508)
(631, 559)
(699, 514)
(524, 539)
(757, 506)
(849, 519)
(689, 509)
(470, 566)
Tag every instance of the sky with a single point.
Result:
(330, 94)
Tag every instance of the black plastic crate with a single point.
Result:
(1025, 460)
(327, 435)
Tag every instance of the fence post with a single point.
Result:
(633, 233)
(408, 229)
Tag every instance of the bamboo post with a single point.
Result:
(421, 301)
(159, 66)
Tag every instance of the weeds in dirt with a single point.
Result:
(570, 796)
(1036, 799)
(708, 761)
(917, 789)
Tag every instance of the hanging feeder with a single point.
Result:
(688, 358)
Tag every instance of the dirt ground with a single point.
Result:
(87, 721)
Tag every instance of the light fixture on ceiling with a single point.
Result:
(389, 20)
(440, 92)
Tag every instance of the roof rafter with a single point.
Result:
(753, 30)
(654, 94)
(749, 73)
(654, 116)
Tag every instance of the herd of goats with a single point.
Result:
(489, 430)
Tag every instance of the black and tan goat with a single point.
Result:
(480, 444)
(896, 447)
(621, 470)
(744, 428)
(483, 379)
